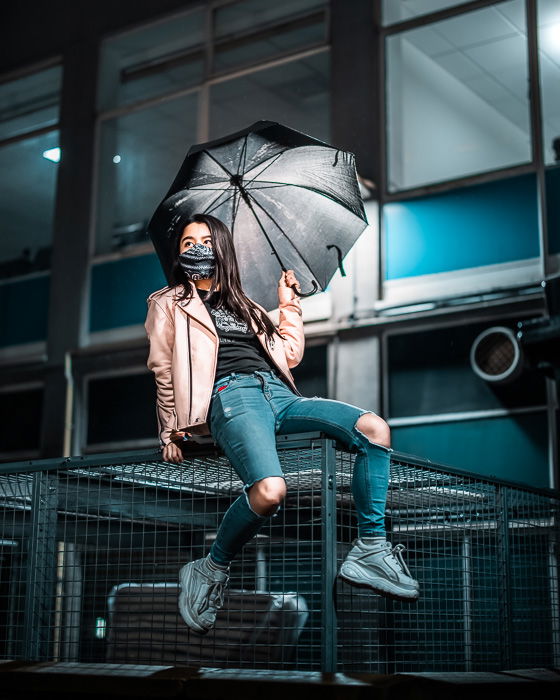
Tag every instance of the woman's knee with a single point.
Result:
(269, 491)
(374, 428)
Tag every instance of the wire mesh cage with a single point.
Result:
(90, 550)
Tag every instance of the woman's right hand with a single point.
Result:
(172, 453)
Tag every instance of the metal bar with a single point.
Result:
(41, 568)
(328, 530)
(458, 183)
(554, 594)
(504, 576)
(430, 419)
(438, 16)
(536, 130)
(467, 601)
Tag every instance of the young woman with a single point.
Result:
(222, 368)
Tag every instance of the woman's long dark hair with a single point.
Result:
(230, 294)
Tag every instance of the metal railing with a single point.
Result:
(90, 549)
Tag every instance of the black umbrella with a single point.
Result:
(290, 200)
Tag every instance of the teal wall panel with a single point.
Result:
(553, 208)
(24, 309)
(485, 224)
(119, 289)
(511, 447)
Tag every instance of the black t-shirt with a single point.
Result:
(240, 350)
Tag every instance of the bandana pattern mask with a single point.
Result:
(198, 262)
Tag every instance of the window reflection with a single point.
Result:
(140, 155)
(159, 59)
(548, 18)
(295, 94)
(457, 97)
(29, 155)
(250, 31)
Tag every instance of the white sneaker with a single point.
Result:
(202, 594)
(381, 568)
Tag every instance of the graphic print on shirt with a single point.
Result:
(227, 322)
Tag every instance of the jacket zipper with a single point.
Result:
(190, 367)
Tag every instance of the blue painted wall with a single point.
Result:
(513, 448)
(484, 224)
(24, 308)
(119, 289)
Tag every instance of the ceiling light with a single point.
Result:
(52, 154)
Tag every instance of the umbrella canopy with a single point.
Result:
(290, 201)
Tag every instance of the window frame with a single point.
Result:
(542, 266)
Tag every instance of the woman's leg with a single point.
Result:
(360, 430)
(242, 423)
(372, 561)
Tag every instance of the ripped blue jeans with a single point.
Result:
(247, 411)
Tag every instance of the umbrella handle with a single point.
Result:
(306, 294)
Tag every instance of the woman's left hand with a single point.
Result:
(288, 278)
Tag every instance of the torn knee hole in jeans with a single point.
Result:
(269, 515)
(371, 442)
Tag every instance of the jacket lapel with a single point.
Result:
(196, 309)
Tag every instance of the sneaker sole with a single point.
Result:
(405, 597)
(183, 610)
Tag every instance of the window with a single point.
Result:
(549, 56)
(20, 417)
(121, 410)
(310, 375)
(166, 86)
(440, 409)
(296, 94)
(156, 60)
(400, 10)
(139, 156)
(251, 31)
(438, 378)
(29, 154)
(457, 97)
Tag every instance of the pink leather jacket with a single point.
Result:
(184, 353)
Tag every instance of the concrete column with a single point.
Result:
(69, 284)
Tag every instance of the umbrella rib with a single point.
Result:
(207, 211)
(243, 154)
(217, 162)
(273, 159)
(209, 189)
(283, 233)
(235, 209)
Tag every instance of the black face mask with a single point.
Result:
(198, 262)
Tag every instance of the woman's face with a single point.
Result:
(195, 233)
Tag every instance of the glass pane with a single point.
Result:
(30, 103)
(399, 10)
(310, 375)
(20, 417)
(457, 97)
(250, 31)
(151, 61)
(121, 408)
(27, 194)
(251, 14)
(427, 381)
(549, 55)
(140, 155)
(295, 94)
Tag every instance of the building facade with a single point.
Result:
(453, 112)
